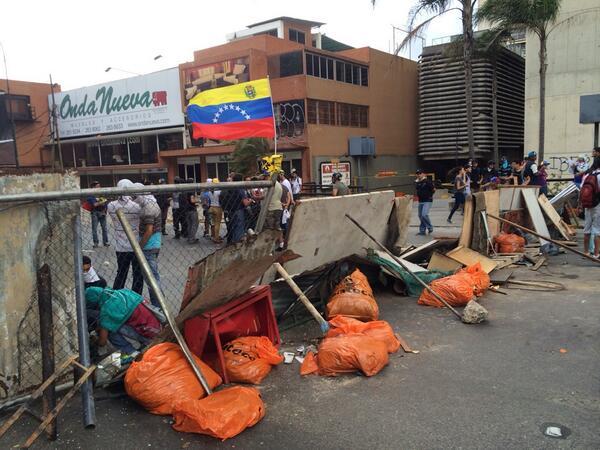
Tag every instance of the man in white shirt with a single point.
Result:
(125, 255)
(296, 183)
(285, 182)
(216, 213)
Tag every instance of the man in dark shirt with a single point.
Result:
(504, 170)
(425, 190)
(163, 201)
(489, 172)
(476, 174)
(98, 213)
(234, 202)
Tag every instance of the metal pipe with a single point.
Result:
(87, 389)
(114, 191)
(139, 254)
(399, 261)
(44, 290)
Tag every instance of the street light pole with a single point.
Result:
(12, 119)
(56, 134)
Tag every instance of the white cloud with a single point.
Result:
(77, 40)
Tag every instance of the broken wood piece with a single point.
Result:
(500, 276)
(412, 266)
(554, 217)
(419, 250)
(405, 346)
(466, 231)
(535, 212)
(443, 263)
(541, 260)
(469, 257)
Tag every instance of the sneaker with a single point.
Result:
(95, 246)
(107, 245)
(449, 221)
(420, 233)
(430, 231)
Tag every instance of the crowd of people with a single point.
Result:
(473, 177)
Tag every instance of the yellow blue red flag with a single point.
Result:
(233, 112)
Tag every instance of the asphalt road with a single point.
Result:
(493, 385)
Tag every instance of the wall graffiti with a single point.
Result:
(289, 118)
(562, 167)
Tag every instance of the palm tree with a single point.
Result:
(437, 8)
(246, 154)
(535, 16)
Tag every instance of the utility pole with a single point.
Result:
(56, 134)
(10, 114)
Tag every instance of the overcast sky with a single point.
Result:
(77, 40)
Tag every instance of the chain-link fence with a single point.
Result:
(177, 226)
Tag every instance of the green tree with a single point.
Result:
(435, 9)
(534, 16)
(246, 154)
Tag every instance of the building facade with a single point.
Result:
(24, 105)
(573, 70)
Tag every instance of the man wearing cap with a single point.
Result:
(489, 172)
(296, 183)
(425, 190)
(530, 172)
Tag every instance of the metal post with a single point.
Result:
(55, 126)
(87, 389)
(139, 254)
(596, 133)
(264, 209)
(44, 290)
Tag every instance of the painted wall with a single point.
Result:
(573, 70)
(35, 234)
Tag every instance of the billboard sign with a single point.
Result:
(329, 168)
(138, 103)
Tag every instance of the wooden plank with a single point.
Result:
(510, 198)
(466, 232)
(539, 263)
(443, 263)
(415, 251)
(412, 266)
(492, 206)
(399, 222)
(554, 217)
(468, 257)
(500, 276)
(535, 212)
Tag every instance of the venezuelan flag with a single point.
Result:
(233, 112)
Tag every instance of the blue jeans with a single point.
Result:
(459, 199)
(118, 338)
(98, 216)
(237, 226)
(425, 224)
(152, 257)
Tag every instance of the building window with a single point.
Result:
(343, 110)
(285, 65)
(114, 152)
(170, 141)
(364, 76)
(334, 69)
(19, 106)
(144, 149)
(340, 71)
(297, 36)
(321, 112)
(218, 170)
(312, 111)
(288, 165)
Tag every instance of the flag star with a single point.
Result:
(237, 108)
(226, 107)
(215, 120)
(231, 106)
(217, 115)
(247, 117)
(220, 110)
(243, 112)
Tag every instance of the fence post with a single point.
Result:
(87, 390)
(44, 290)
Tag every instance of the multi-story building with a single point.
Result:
(337, 108)
(24, 106)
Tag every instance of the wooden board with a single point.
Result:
(466, 231)
(443, 263)
(399, 222)
(510, 197)
(500, 276)
(535, 212)
(468, 257)
(411, 266)
(554, 217)
(479, 241)
(492, 206)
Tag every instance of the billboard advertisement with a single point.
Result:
(136, 103)
(329, 168)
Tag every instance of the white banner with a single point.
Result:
(137, 103)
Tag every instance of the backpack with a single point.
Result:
(589, 192)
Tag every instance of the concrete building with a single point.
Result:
(325, 94)
(573, 70)
(28, 103)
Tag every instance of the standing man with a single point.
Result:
(489, 172)
(98, 213)
(542, 178)
(296, 183)
(460, 186)
(163, 204)
(285, 182)
(191, 214)
(205, 203)
(504, 170)
(425, 190)
(274, 212)
(477, 174)
(125, 255)
(150, 235)
(339, 187)
(216, 213)
(236, 206)
(530, 172)
(175, 207)
(589, 200)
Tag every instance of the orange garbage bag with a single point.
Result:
(353, 297)
(309, 365)
(249, 359)
(163, 376)
(510, 243)
(456, 289)
(351, 352)
(223, 414)
(378, 329)
(480, 279)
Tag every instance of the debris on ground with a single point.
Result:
(474, 313)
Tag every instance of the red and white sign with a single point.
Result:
(328, 169)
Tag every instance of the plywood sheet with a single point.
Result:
(510, 197)
(442, 262)
(554, 217)
(400, 221)
(466, 232)
(321, 233)
(492, 206)
(468, 257)
(535, 212)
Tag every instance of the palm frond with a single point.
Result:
(416, 31)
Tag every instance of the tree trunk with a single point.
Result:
(496, 155)
(542, 119)
(467, 22)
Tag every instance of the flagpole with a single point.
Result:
(274, 121)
